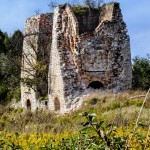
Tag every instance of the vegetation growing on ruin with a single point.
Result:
(79, 10)
(105, 122)
(11, 55)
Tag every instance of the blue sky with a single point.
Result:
(136, 13)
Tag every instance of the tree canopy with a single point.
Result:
(141, 72)
(10, 63)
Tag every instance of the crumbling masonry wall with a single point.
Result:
(90, 52)
(36, 50)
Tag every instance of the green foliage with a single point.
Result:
(79, 10)
(114, 105)
(10, 63)
(3, 91)
(108, 136)
(94, 101)
(141, 73)
(31, 83)
(124, 103)
(14, 94)
(16, 43)
(94, 135)
(99, 129)
(3, 42)
(102, 136)
(137, 103)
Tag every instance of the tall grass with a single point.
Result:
(119, 112)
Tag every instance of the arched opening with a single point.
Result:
(28, 104)
(57, 104)
(46, 104)
(96, 85)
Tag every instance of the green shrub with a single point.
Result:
(93, 101)
(137, 103)
(3, 92)
(14, 94)
(79, 10)
(141, 73)
(114, 105)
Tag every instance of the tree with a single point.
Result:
(16, 43)
(12, 59)
(10, 63)
(141, 72)
(35, 64)
(4, 39)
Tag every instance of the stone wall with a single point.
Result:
(90, 53)
(36, 50)
(104, 55)
(56, 88)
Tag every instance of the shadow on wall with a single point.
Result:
(57, 104)
(96, 85)
(46, 104)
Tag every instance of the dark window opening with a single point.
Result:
(96, 85)
(57, 104)
(28, 104)
(46, 103)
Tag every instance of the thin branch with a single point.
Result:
(136, 125)
(136, 97)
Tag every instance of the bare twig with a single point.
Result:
(136, 125)
(136, 97)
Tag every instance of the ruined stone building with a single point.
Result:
(82, 50)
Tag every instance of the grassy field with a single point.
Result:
(104, 122)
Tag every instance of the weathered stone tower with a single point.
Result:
(35, 59)
(90, 51)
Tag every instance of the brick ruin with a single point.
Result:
(85, 51)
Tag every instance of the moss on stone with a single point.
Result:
(79, 10)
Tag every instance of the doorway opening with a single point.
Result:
(28, 104)
(96, 85)
(46, 104)
(57, 104)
